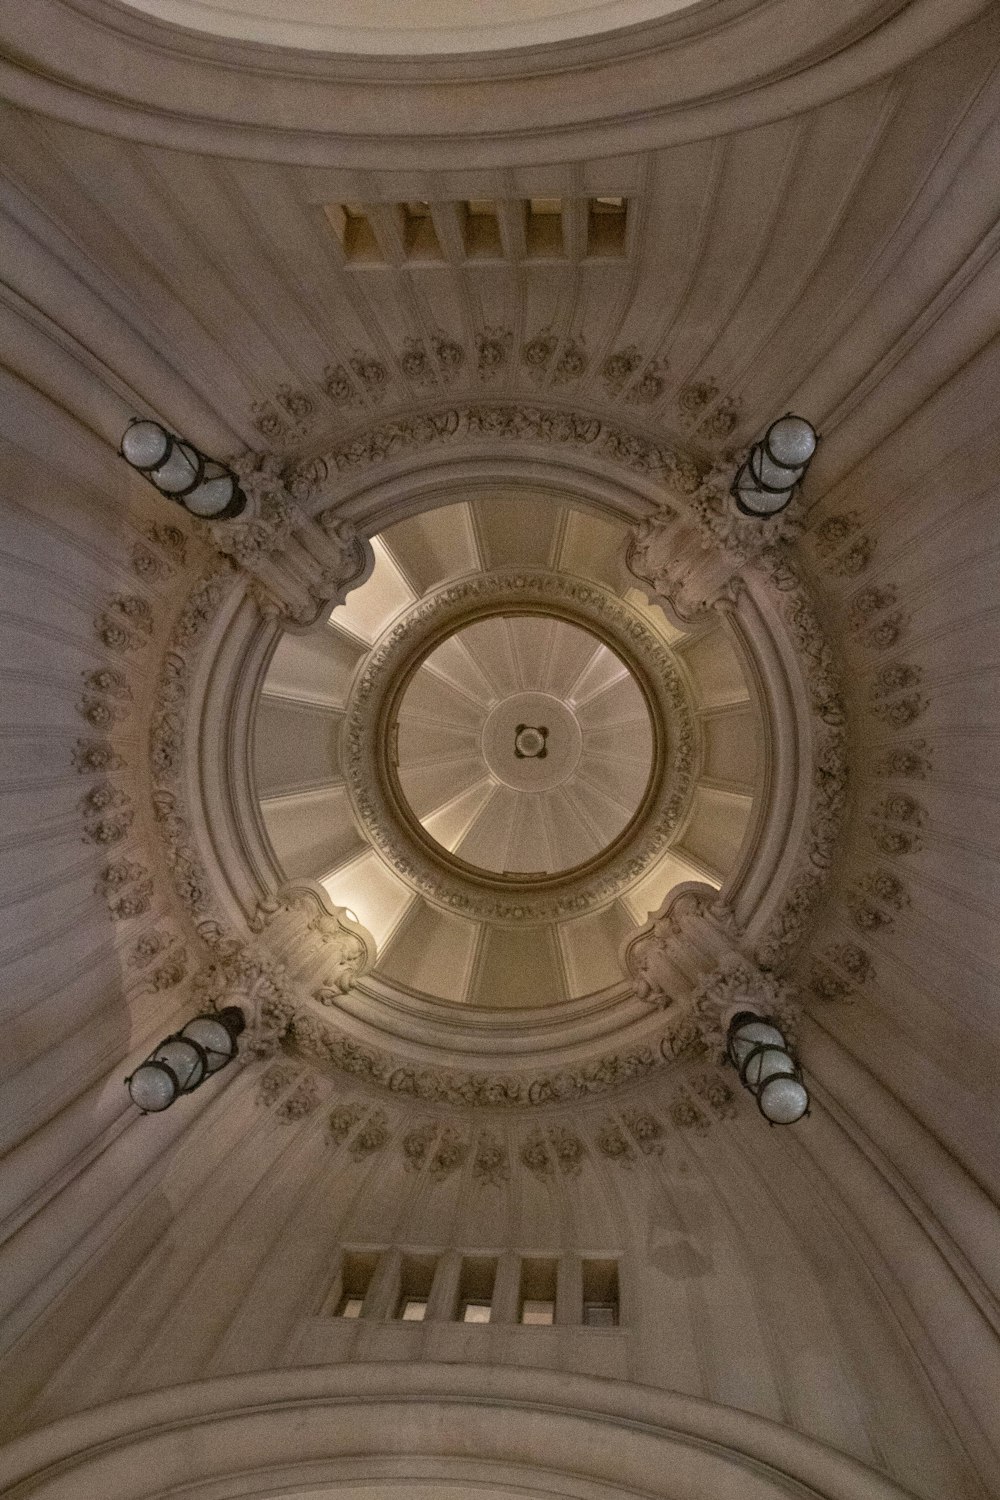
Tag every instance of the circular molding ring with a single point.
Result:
(573, 1436)
(394, 831)
(708, 70)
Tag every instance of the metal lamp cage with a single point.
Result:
(775, 466)
(182, 1061)
(757, 1049)
(181, 472)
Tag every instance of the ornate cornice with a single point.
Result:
(410, 854)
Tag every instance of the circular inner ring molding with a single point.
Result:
(550, 767)
(423, 28)
(371, 738)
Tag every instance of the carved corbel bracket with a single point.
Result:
(301, 567)
(691, 557)
(679, 944)
(322, 945)
(689, 953)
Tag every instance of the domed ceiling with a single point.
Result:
(551, 755)
(422, 26)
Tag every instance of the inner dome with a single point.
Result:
(420, 28)
(548, 734)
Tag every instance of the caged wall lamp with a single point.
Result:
(765, 483)
(758, 1051)
(179, 471)
(183, 1061)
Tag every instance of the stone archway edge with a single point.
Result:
(213, 1436)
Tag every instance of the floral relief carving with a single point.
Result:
(535, 1156)
(91, 757)
(826, 984)
(170, 540)
(701, 405)
(650, 385)
(842, 545)
(567, 1149)
(341, 1121)
(416, 364)
(876, 899)
(339, 387)
(572, 362)
(912, 761)
(127, 888)
(619, 367)
(298, 407)
(718, 1094)
(268, 423)
(372, 373)
(613, 1143)
(451, 1150)
(647, 1131)
(896, 822)
(125, 623)
(512, 422)
(416, 1145)
(169, 973)
(538, 351)
(108, 814)
(490, 1165)
(869, 602)
(274, 1081)
(372, 1136)
(493, 347)
(890, 698)
(686, 1113)
(147, 565)
(737, 981)
(301, 1102)
(450, 356)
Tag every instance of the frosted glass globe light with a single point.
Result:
(182, 1062)
(791, 441)
(176, 468)
(757, 1048)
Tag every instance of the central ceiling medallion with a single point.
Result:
(552, 753)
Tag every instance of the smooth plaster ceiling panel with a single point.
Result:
(593, 546)
(590, 947)
(448, 825)
(715, 669)
(454, 662)
(515, 531)
(432, 952)
(602, 671)
(314, 668)
(432, 785)
(518, 968)
(368, 887)
(730, 746)
(430, 698)
(491, 647)
(648, 894)
(296, 746)
(715, 828)
(434, 546)
(368, 610)
(312, 832)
